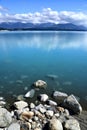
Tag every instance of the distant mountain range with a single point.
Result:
(42, 26)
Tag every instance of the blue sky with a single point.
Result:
(25, 6)
(42, 11)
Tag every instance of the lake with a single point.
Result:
(31, 55)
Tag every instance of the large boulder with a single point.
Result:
(71, 103)
(5, 118)
(14, 126)
(40, 84)
(55, 124)
(20, 105)
(72, 124)
(59, 96)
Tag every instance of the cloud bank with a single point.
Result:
(45, 16)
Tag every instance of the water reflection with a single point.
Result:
(43, 40)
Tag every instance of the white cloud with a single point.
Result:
(46, 15)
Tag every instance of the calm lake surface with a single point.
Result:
(28, 56)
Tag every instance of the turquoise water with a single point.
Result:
(28, 56)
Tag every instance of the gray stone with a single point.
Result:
(5, 117)
(55, 124)
(14, 126)
(72, 124)
(30, 93)
(43, 97)
(71, 103)
(59, 96)
(52, 103)
(32, 105)
(20, 105)
(49, 113)
(20, 97)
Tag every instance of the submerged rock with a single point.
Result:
(5, 118)
(71, 103)
(52, 76)
(30, 94)
(40, 84)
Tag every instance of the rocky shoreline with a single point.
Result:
(61, 112)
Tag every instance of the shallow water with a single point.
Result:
(28, 56)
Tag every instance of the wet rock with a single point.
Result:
(40, 84)
(71, 103)
(59, 96)
(55, 124)
(30, 94)
(43, 97)
(20, 105)
(20, 97)
(52, 103)
(14, 126)
(72, 124)
(5, 118)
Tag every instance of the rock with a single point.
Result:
(20, 97)
(35, 118)
(72, 124)
(37, 129)
(5, 118)
(30, 94)
(57, 115)
(32, 105)
(55, 124)
(26, 126)
(71, 103)
(49, 113)
(60, 109)
(34, 125)
(42, 110)
(14, 126)
(59, 96)
(27, 115)
(40, 84)
(66, 112)
(20, 105)
(2, 103)
(43, 97)
(52, 103)
(1, 99)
